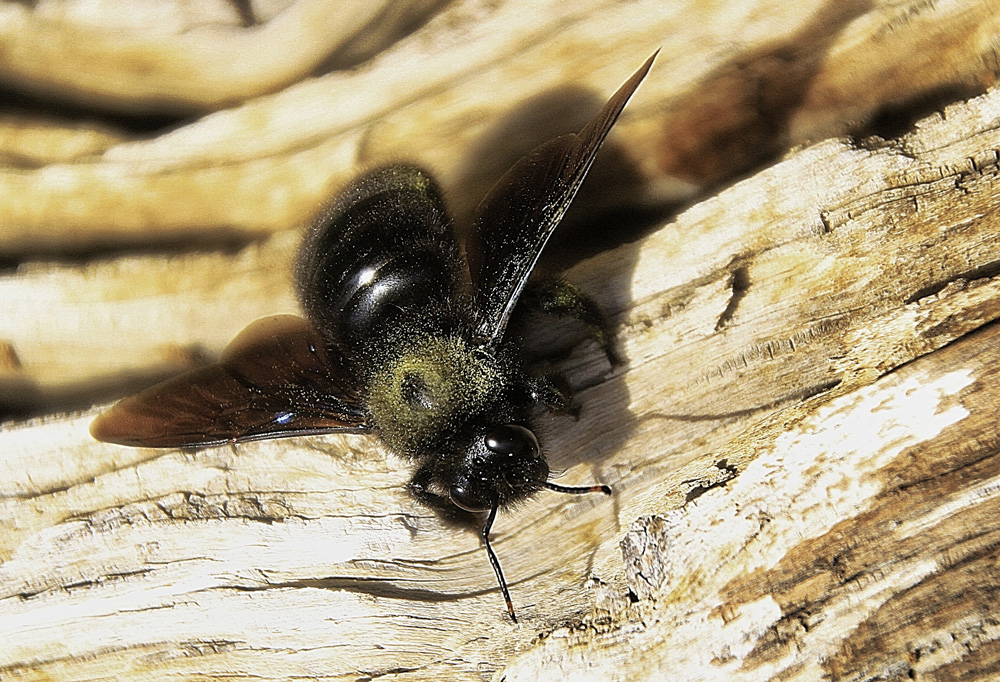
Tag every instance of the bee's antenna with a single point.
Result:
(496, 563)
(577, 490)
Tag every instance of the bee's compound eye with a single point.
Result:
(467, 499)
(512, 439)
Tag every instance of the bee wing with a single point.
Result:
(516, 218)
(276, 378)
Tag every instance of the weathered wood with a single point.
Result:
(860, 543)
(198, 186)
(162, 56)
(800, 447)
(221, 560)
(729, 91)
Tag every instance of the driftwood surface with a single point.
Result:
(800, 443)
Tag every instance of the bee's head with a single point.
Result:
(502, 464)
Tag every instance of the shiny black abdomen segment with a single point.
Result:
(383, 251)
(391, 293)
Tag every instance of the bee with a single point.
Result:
(403, 337)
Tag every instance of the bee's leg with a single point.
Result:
(545, 391)
(556, 296)
(420, 488)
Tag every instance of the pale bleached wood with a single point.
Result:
(31, 139)
(137, 315)
(800, 445)
(276, 159)
(165, 56)
(734, 85)
(860, 543)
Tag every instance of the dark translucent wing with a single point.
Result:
(515, 220)
(276, 378)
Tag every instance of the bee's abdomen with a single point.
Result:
(385, 293)
(381, 252)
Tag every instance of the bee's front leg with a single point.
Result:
(545, 391)
(422, 487)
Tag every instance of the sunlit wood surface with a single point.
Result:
(801, 443)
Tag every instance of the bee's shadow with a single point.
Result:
(611, 194)
(599, 421)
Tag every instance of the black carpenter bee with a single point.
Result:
(402, 336)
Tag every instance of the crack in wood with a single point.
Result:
(985, 271)
(739, 284)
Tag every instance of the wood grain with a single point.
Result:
(800, 443)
